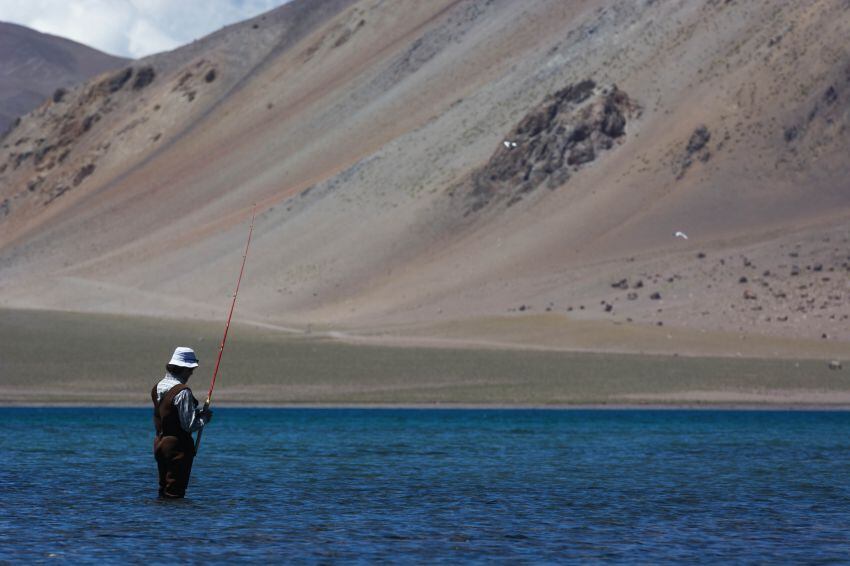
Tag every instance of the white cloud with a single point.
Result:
(145, 38)
(131, 28)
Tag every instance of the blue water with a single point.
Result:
(424, 486)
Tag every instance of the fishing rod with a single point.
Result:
(227, 326)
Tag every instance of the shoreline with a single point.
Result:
(55, 360)
(748, 406)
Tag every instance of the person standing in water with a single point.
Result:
(176, 416)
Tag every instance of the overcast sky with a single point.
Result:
(131, 28)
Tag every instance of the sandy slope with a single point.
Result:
(362, 129)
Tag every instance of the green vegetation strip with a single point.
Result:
(50, 357)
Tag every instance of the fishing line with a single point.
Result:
(227, 326)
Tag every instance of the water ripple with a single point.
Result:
(320, 486)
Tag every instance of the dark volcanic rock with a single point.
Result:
(791, 133)
(83, 173)
(43, 152)
(613, 122)
(697, 149)
(35, 67)
(698, 139)
(831, 95)
(569, 129)
(34, 184)
(56, 193)
(21, 158)
(144, 77)
(119, 79)
(582, 153)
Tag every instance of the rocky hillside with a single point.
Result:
(36, 66)
(569, 129)
(422, 162)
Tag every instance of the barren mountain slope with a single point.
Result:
(372, 136)
(33, 66)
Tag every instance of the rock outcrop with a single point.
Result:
(566, 131)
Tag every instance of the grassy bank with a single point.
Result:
(50, 357)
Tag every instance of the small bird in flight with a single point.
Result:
(681, 234)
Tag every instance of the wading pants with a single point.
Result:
(174, 457)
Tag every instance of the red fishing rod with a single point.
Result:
(227, 325)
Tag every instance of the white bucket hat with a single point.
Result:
(184, 357)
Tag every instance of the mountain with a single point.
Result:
(33, 66)
(458, 167)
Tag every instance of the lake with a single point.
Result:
(431, 485)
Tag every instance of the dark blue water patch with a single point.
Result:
(379, 485)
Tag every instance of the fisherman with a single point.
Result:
(176, 416)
